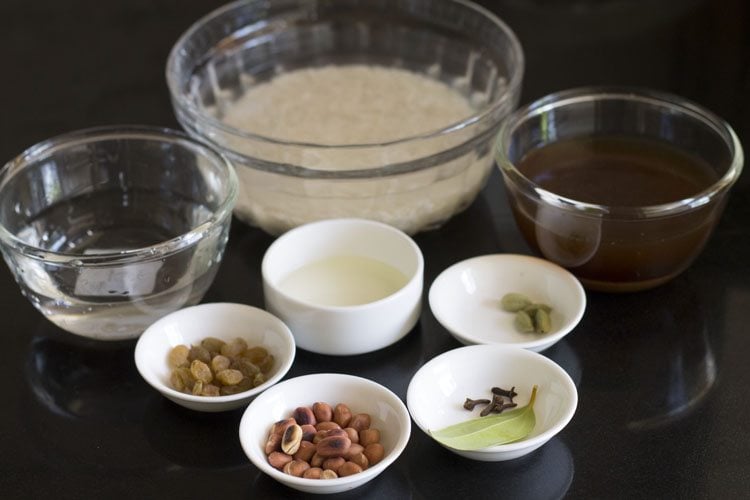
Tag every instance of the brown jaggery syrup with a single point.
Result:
(613, 171)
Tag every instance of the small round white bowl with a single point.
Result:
(344, 329)
(465, 299)
(387, 413)
(438, 390)
(221, 320)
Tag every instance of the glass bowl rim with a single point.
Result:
(157, 251)
(185, 105)
(661, 99)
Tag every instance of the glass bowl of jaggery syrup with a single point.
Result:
(622, 187)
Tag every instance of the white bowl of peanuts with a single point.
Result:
(325, 433)
(215, 357)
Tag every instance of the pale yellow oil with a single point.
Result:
(343, 280)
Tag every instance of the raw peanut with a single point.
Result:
(374, 453)
(333, 463)
(333, 446)
(280, 426)
(305, 452)
(327, 426)
(304, 415)
(361, 460)
(348, 469)
(329, 433)
(353, 434)
(296, 468)
(313, 473)
(354, 449)
(316, 460)
(273, 443)
(360, 421)
(369, 436)
(322, 411)
(308, 432)
(290, 441)
(278, 460)
(342, 415)
(336, 432)
(328, 474)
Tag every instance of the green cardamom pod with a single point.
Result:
(513, 302)
(523, 322)
(542, 322)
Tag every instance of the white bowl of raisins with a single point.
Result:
(215, 357)
(326, 432)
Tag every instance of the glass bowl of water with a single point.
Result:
(108, 229)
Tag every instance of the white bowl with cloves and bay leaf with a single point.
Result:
(491, 402)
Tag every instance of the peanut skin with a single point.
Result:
(360, 421)
(278, 460)
(348, 469)
(323, 412)
(374, 453)
(369, 436)
(342, 415)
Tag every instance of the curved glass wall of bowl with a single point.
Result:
(632, 210)
(106, 230)
(413, 182)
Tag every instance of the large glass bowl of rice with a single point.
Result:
(379, 109)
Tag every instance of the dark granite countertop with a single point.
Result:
(661, 375)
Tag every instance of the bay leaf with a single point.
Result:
(482, 432)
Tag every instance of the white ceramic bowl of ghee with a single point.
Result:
(344, 286)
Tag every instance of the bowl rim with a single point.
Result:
(148, 375)
(499, 350)
(42, 150)
(617, 93)
(417, 277)
(362, 477)
(543, 342)
(178, 97)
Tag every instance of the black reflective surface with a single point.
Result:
(662, 375)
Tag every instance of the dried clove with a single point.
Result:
(510, 394)
(470, 404)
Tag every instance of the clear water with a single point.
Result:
(118, 301)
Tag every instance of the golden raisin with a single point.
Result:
(255, 354)
(219, 363)
(212, 344)
(229, 377)
(234, 348)
(201, 371)
(178, 356)
(200, 353)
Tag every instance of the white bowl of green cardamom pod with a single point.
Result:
(491, 402)
(507, 299)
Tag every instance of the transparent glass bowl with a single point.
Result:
(618, 248)
(413, 183)
(108, 229)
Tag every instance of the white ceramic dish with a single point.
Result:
(222, 320)
(438, 390)
(319, 323)
(465, 299)
(386, 410)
